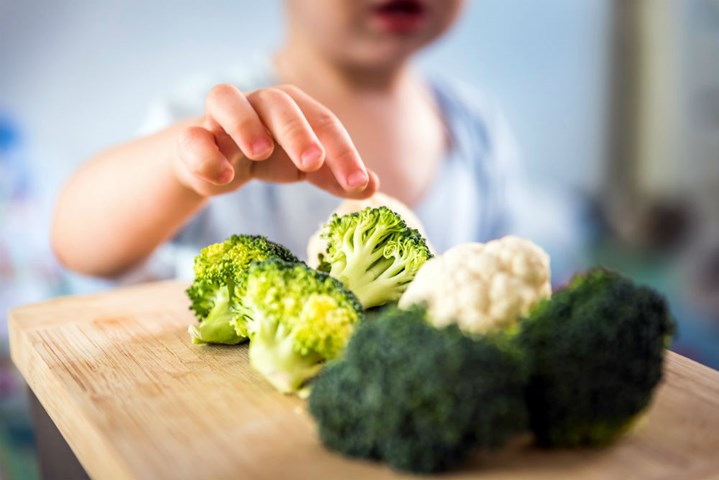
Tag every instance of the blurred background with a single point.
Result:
(615, 105)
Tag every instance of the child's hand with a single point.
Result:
(240, 135)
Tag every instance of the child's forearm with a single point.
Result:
(122, 205)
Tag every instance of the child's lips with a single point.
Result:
(399, 16)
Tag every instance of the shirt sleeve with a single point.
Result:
(539, 209)
(496, 157)
(521, 201)
(509, 175)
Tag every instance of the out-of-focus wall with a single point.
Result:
(79, 75)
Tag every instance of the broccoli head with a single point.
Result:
(595, 352)
(220, 274)
(300, 319)
(417, 397)
(374, 253)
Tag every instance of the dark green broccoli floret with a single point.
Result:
(374, 253)
(595, 353)
(220, 273)
(416, 397)
(301, 319)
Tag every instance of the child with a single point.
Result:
(337, 109)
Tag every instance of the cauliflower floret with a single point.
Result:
(482, 287)
(317, 245)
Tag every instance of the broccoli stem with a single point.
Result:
(378, 292)
(364, 264)
(218, 326)
(372, 278)
(356, 268)
(273, 354)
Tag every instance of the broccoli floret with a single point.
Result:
(595, 352)
(374, 253)
(301, 319)
(220, 273)
(417, 397)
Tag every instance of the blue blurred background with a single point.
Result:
(615, 105)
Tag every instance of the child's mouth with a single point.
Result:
(400, 16)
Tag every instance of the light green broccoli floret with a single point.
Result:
(374, 253)
(220, 277)
(301, 319)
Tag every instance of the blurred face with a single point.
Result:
(370, 33)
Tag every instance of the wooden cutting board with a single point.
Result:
(134, 398)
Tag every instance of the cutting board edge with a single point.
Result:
(22, 356)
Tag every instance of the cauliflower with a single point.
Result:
(482, 287)
(317, 245)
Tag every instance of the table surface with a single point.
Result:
(134, 398)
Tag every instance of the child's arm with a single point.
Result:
(127, 201)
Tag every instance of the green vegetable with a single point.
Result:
(374, 253)
(416, 397)
(301, 319)
(220, 276)
(596, 353)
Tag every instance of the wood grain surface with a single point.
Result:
(134, 398)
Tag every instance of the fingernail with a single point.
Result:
(226, 176)
(357, 179)
(311, 157)
(261, 146)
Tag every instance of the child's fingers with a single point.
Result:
(202, 157)
(289, 127)
(231, 110)
(342, 156)
(278, 169)
(325, 179)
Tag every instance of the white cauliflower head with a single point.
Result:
(482, 287)
(317, 245)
